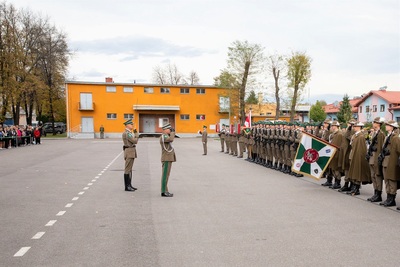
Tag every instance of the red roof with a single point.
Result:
(392, 97)
(395, 108)
(331, 108)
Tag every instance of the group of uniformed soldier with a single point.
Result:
(362, 157)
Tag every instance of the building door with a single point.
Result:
(87, 125)
(149, 125)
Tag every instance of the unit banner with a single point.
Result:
(313, 156)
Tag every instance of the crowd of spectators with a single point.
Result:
(14, 136)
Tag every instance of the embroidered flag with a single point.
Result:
(313, 156)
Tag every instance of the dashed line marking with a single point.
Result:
(99, 174)
(75, 198)
(81, 193)
(38, 235)
(61, 213)
(22, 252)
(96, 177)
(51, 223)
(90, 184)
(69, 205)
(93, 180)
(85, 188)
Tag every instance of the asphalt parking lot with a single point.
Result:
(62, 203)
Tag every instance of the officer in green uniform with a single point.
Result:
(374, 149)
(222, 137)
(130, 140)
(167, 157)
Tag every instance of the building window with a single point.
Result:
(200, 117)
(128, 89)
(164, 90)
(149, 90)
(360, 109)
(184, 90)
(111, 89)
(111, 116)
(185, 117)
(374, 108)
(366, 109)
(382, 108)
(200, 91)
(128, 116)
(86, 102)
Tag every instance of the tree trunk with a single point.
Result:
(294, 102)
(277, 99)
(242, 92)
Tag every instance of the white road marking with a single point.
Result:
(69, 205)
(81, 193)
(90, 184)
(38, 235)
(51, 223)
(96, 177)
(85, 188)
(99, 174)
(93, 180)
(61, 213)
(75, 198)
(22, 252)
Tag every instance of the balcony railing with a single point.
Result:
(85, 107)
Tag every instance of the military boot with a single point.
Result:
(345, 188)
(352, 188)
(328, 181)
(130, 182)
(391, 202)
(336, 185)
(374, 196)
(127, 183)
(378, 196)
(357, 192)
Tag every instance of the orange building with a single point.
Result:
(91, 105)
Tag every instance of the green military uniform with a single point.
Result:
(390, 165)
(222, 137)
(167, 157)
(359, 169)
(204, 136)
(130, 140)
(346, 148)
(375, 148)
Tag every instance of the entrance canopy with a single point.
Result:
(155, 107)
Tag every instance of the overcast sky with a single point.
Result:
(354, 44)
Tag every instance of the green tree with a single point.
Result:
(244, 61)
(345, 113)
(252, 98)
(299, 74)
(317, 113)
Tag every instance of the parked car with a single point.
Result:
(59, 127)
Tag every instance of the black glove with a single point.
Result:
(135, 131)
(172, 129)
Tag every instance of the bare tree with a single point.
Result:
(193, 78)
(175, 77)
(276, 64)
(159, 75)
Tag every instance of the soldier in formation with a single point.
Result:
(361, 158)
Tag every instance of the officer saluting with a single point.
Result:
(130, 140)
(167, 157)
